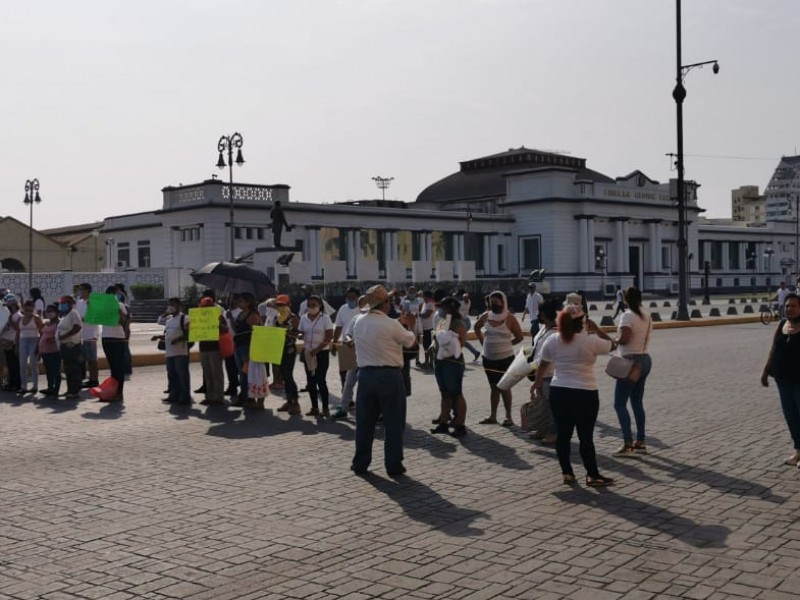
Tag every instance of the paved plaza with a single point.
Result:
(146, 501)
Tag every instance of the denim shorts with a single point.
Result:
(449, 375)
(90, 350)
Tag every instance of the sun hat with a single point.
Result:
(376, 296)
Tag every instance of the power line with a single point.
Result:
(723, 156)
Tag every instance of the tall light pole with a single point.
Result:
(31, 197)
(383, 183)
(226, 144)
(96, 236)
(679, 94)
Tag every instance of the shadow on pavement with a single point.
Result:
(424, 505)
(260, 423)
(605, 429)
(58, 405)
(493, 451)
(108, 411)
(713, 479)
(439, 446)
(649, 516)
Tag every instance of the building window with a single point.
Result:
(716, 255)
(123, 254)
(501, 257)
(666, 257)
(237, 233)
(143, 250)
(733, 255)
(530, 254)
(260, 233)
(190, 234)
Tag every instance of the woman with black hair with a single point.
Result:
(634, 338)
(449, 335)
(543, 417)
(574, 399)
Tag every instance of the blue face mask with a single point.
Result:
(119, 297)
(441, 312)
(63, 308)
(352, 303)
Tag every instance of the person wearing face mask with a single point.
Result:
(122, 297)
(243, 324)
(450, 333)
(344, 315)
(48, 350)
(68, 338)
(289, 321)
(89, 335)
(28, 330)
(316, 331)
(176, 336)
(498, 330)
(8, 342)
(783, 365)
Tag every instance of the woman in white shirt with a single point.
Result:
(573, 391)
(28, 329)
(316, 331)
(634, 338)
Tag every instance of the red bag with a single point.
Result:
(106, 390)
(226, 344)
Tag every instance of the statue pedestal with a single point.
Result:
(282, 265)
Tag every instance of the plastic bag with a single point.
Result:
(518, 370)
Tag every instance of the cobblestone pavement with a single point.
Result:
(144, 501)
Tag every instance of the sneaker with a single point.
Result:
(284, 407)
(793, 460)
(625, 450)
(640, 447)
(339, 414)
(294, 409)
(90, 383)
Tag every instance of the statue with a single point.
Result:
(278, 223)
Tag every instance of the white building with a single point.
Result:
(498, 216)
(783, 190)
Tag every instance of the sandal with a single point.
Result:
(569, 478)
(507, 423)
(441, 428)
(598, 481)
(488, 421)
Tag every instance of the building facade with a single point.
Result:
(748, 205)
(783, 190)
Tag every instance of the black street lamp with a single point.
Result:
(768, 252)
(31, 197)
(226, 144)
(601, 263)
(679, 94)
(752, 259)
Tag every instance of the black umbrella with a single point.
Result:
(234, 278)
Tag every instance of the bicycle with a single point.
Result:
(770, 314)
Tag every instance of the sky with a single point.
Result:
(106, 102)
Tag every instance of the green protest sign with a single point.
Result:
(103, 309)
(266, 344)
(204, 324)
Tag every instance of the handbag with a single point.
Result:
(620, 367)
(162, 345)
(226, 344)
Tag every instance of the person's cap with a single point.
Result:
(575, 311)
(69, 299)
(206, 301)
(376, 296)
(10, 298)
(283, 299)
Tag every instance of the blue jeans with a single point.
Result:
(178, 379)
(29, 362)
(628, 390)
(790, 403)
(380, 392)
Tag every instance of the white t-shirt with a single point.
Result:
(532, 303)
(430, 308)
(326, 308)
(314, 331)
(348, 330)
(463, 309)
(115, 331)
(620, 297)
(89, 331)
(538, 344)
(38, 306)
(639, 326)
(345, 314)
(574, 361)
(380, 340)
(172, 331)
(411, 305)
(67, 322)
(782, 293)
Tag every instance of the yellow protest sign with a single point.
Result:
(266, 344)
(204, 324)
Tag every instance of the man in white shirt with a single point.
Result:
(344, 315)
(532, 302)
(89, 335)
(780, 295)
(379, 343)
(176, 336)
(68, 339)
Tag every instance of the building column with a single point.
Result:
(583, 243)
(487, 254)
(590, 244)
(742, 258)
(428, 237)
(394, 249)
(618, 264)
(726, 265)
(313, 256)
(655, 246)
(352, 252)
(626, 257)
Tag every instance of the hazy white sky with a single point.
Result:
(106, 102)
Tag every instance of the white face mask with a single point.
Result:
(172, 310)
(313, 311)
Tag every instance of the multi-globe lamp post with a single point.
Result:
(31, 197)
(226, 144)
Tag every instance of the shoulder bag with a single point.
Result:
(620, 367)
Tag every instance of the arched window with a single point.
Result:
(12, 265)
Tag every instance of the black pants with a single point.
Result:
(287, 373)
(71, 358)
(317, 384)
(12, 364)
(232, 372)
(575, 409)
(115, 351)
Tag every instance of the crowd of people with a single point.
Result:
(376, 336)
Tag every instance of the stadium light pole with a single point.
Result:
(383, 183)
